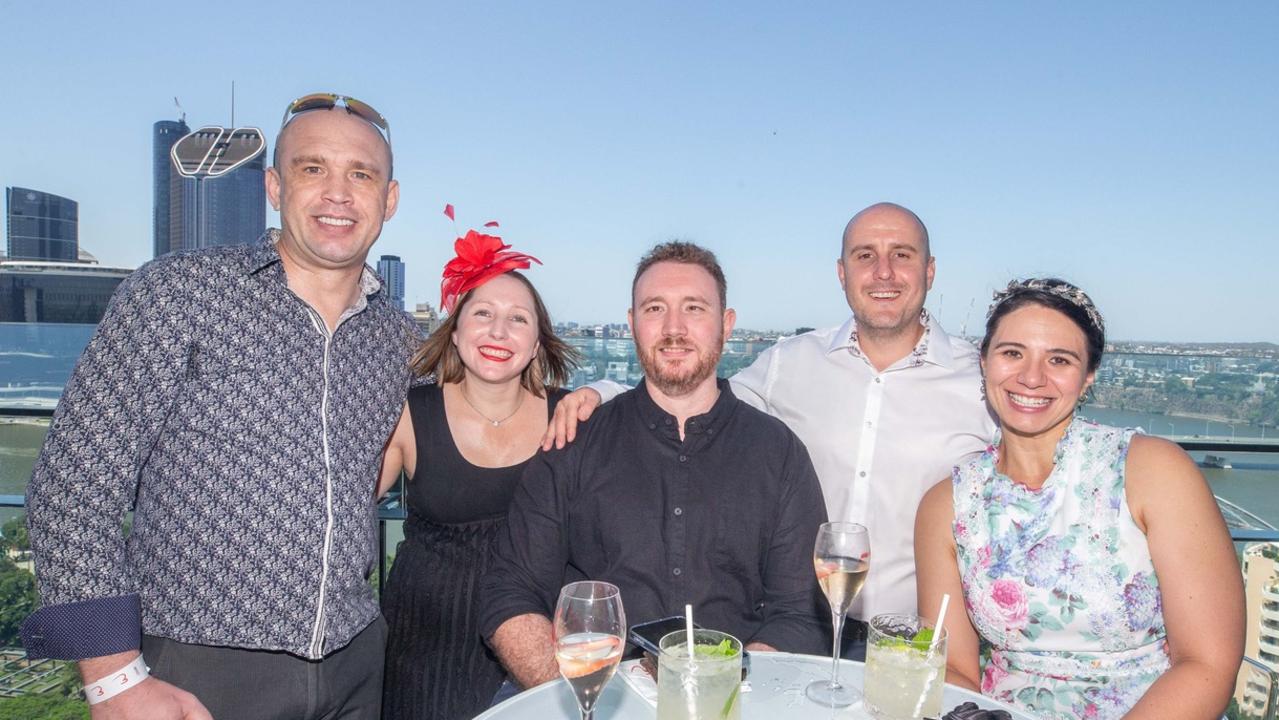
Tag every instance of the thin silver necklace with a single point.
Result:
(494, 423)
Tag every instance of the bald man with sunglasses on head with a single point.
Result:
(239, 398)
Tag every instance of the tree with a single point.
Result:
(18, 599)
(15, 534)
(46, 707)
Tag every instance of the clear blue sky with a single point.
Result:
(1130, 147)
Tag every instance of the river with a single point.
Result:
(1253, 483)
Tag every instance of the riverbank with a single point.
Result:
(1202, 417)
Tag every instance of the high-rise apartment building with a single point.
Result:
(167, 188)
(1261, 636)
(188, 213)
(392, 271)
(42, 226)
(426, 318)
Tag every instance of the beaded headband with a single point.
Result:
(1059, 288)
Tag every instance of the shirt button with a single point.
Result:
(710, 431)
(652, 426)
(879, 380)
(679, 511)
(862, 473)
(676, 572)
(870, 424)
(683, 458)
(667, 421)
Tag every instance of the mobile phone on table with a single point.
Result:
(648, 635)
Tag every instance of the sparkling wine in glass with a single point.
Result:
(841, 557)
(590, 625)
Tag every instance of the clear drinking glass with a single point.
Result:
(841, 557)
(905, 670)
(590, 625)
(703, 686)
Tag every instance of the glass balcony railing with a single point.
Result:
(1258, 692)
(1240, 462)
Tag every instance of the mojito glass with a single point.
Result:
(904, 677)
(706, 686)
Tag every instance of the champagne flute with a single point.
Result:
(841, 556)
(590, 625)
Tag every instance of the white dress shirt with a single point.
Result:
(878, 440)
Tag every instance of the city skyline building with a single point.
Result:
(426, 318)
(167, 187)
(391, 269)
(41, 226)
(1261, 638)
(191, 213)
(43, 291)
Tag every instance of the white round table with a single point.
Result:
(777, 681)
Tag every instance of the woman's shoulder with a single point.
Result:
(425, 389)
(938, 501)
(1149, 455)
(1159, 474)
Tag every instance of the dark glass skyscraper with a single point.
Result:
(231, 208)
(167, 207)
(42, 226)
(392, 271)
(226, 210)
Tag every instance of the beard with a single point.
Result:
(677, 381)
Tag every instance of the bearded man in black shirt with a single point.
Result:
(675, 491)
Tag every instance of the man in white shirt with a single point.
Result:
(886, 403)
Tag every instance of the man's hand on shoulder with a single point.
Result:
(152, 699)
(574, 408)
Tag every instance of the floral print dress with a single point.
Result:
(1058, 581)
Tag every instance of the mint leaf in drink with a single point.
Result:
(923, 638)
(723, 650)
(918, 641)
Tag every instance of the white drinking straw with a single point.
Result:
(932, 646)
(937, 628)
(688, 628)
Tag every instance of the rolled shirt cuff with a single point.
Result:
(84, 629)
(496, 614)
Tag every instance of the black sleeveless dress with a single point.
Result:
(437, 665)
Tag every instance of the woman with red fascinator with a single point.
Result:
(462, 442)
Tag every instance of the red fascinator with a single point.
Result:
(480, 258)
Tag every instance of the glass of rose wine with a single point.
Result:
(590, 627)
(841, 557)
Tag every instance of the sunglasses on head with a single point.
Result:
(328, 101)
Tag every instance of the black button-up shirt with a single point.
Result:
(724, 519)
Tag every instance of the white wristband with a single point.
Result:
(117, 682)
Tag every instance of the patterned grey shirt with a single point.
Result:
(250, 438)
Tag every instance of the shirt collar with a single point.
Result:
(933, 346)
(265, 253)
(656, 418)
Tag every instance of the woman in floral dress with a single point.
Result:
(1093, 561)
